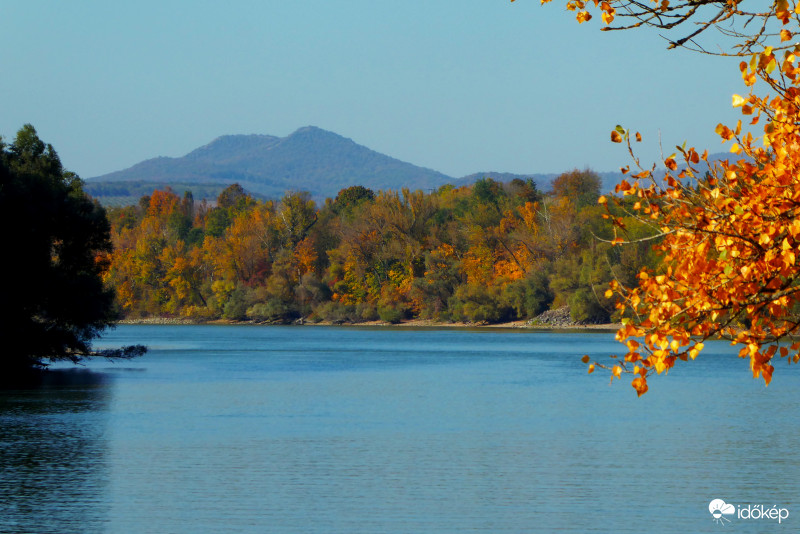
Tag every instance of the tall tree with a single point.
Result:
(57, 241)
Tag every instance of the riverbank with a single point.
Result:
(550, 320)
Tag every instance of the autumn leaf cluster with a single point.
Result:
(728, 232)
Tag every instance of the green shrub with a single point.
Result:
(585, 307)
(272, 310)
(478, 304)
(236, 306)
(529, 296)
(335, 312)
(391, 312)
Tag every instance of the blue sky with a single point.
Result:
(457, 86)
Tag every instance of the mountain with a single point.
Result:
(309, 159)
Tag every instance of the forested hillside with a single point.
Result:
(489, 252)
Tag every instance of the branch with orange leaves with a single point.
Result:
(749, 30)
(730, 247)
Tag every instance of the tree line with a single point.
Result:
(486, 253)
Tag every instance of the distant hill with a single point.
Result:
(310, 159)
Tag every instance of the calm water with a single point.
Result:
(322, 429)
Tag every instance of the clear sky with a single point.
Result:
(459, 86)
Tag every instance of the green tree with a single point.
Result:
(56, 244)
(582, 188)
(350, 198)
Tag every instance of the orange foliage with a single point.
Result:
(162, 203)
(305, 257)
(730, 242)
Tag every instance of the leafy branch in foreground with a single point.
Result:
(747, 29)
(730, 243)
(729, 235)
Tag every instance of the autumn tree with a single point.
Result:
(57, 244)
(728, 232)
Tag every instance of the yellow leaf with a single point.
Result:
(786, 34)
(782, 10)
(591, 369)
(738, 101)
(616, 137)
(616, 371)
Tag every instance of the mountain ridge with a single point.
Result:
(309, 159)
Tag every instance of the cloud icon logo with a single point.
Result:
(719, 509)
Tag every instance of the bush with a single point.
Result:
(478, 304)
(236, 306)
(335, 312)
(584, 307)
(365, 311)
(273, 310)
(391, 312)
(529, 296)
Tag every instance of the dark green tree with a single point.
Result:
(52, 298)
(350, 198)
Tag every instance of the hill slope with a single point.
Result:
(310, 159)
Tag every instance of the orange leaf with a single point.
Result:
(640, 385)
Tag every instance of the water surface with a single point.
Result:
(325, 429)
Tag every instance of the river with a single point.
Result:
(394, 430)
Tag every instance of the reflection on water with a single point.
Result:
(253, 429)
(52, 449)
